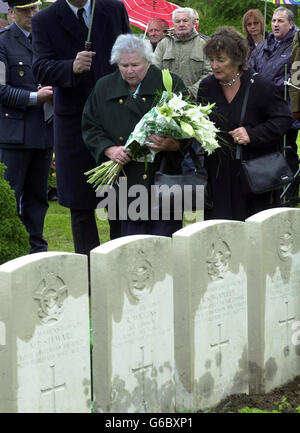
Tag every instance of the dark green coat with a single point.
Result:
(111, 113)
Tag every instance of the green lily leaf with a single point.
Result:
(167, 80)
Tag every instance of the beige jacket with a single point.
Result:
(184, 57)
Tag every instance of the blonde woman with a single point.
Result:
(253, 25)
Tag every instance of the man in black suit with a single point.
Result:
(26, 138)
(61, 60)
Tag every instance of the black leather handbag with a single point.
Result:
(267, 172)
(188, 191)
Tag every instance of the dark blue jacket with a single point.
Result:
(57, 38)
(271, 63)
(21, 126)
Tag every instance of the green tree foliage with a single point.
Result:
(231, 9)
(215, 13)
(13, 235)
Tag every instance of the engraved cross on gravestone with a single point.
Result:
(219, 346)
(142, 367)
(53, 389)
(285, 322)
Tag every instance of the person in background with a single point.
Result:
(267, 118)
(196, 19)
(181, 51)
(111, 112)
(272, 58)
(156, 29)
(26, 136)
(253, 26)
(196, 24)
(61, 60)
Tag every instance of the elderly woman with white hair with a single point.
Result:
(116, 104)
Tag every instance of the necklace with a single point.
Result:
(231, 82)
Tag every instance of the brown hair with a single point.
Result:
(257, 15)
(227, 39)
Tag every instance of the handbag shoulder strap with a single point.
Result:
(243, 112)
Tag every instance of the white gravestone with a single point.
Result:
(274, 297)
(132, 314)
(210, 313)
(44, 346)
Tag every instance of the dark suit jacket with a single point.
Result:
(57, 37)
(21, 126)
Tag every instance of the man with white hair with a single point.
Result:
(181, 51)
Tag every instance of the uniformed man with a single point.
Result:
(25, 125)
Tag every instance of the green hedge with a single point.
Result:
(14, 239)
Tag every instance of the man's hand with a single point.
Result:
(45, 94)
(117, 154)
(159, 142)
(83, 61)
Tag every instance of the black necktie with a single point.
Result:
(80, 18)
(29, 37)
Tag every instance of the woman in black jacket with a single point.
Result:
(267, 118)
(116, 104)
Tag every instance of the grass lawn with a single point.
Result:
(58, 232)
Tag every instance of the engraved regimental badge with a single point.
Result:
(50, 296)
(140, 277)
(218, 260)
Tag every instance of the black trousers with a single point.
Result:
(85, 231)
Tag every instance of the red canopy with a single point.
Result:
(140, 12)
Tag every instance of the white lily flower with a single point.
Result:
(177, 102)
(195, 114)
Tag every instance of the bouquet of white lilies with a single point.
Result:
(173, 116)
